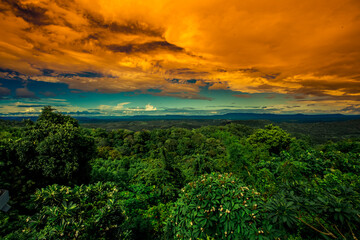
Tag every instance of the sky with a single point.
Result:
(155, 57)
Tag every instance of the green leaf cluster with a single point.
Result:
(219, 206)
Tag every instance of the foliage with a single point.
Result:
(82, 212)
(110, 171)
(55, 149)
(329, 210)
(145, 211)
(13, 176)
(10, 221)
(48, 115)
(272, 138)
(282, 212)
(219, 206)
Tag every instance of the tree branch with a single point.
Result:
(325, 233)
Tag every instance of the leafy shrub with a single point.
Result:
(272, 138)
(327, 206)
(13, 175)
(345, 162)
(218, 206)
(82, 212)
(282, 212)
(10, 221)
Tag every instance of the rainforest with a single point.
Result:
(169, 119)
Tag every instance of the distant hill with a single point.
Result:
(320, 132)
(229, 116)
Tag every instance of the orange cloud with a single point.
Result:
(307, 48)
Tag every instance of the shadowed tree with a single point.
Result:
(55, 149)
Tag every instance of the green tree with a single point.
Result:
(55, 149)
(50, 116)
(272, 138)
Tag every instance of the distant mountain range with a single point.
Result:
(228, 116)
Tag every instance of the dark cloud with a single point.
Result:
(242, 95)
(2, 9)
(186, 71)
(352, 108)
(321, 94)
(182, 81)
(130, 27)
(144, 47)
(270, 76)
(151, 90)
(191, 81)
(25, 93)
(324, 89)
(9, 74)
(332, 85)
(31, 13)
(4, 91)
(47, 72)
(48, 94)
(309, 92)
(194, 82)
(83, 74)
(68, 4)
(248, 70)
(92, 36)
(31, 105)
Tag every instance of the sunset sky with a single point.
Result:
(111, 57)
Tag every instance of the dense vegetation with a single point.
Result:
(315, 132)
(214, 182)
